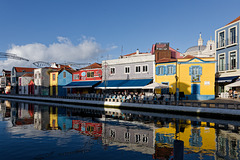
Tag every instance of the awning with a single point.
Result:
(155, 85)
(82, 84)
(124, 84)
(235, 84)
(226, 79)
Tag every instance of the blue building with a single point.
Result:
(227, 55)
(64, 78)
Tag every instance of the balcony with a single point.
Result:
(227, 42)
(227, 68)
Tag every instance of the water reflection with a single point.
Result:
(146, 133)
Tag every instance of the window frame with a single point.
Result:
(229, 35)
(224, 62)
(76, 76)
(54, 77)
(114, 68)
(64, 74)
(138, 66)
(224, 39)
(128, 70)
(229, 59)
(146, 68)
(91, 74)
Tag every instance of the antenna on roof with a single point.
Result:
(122, 50)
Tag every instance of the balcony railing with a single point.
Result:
(227, 42)
(227, 67)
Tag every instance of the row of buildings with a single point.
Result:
(201, 73)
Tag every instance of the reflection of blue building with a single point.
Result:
(64, 119)
(195, 138)
(165, 138)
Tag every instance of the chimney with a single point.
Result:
(137, 51)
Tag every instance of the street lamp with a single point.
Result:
(176, 77)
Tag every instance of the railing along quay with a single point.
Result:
(185, 103)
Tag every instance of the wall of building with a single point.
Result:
(53, 84)
(83, 75)
(63, 81)
(132, 62)
(194, 88)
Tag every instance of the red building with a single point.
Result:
(85, 79)
(92, 72)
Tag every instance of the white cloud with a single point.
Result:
(88, 50)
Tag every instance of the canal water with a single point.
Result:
(54, 131)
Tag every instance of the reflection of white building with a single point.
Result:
(202, 50)
(41, 117)
(228, 145)
(132, 137)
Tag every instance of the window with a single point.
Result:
(90, 74)
(54, 77)
(145, 68)
(160, 70)
(76, 76)
(170, 69)
(112, 70)
(221, 62)
(138, 69)
(64, 74)
(127, 70)
(221, 39)
(232, 60)
(232, 35)
(196, 72)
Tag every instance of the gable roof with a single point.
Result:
(23, 69)
(68, 70)
(92, 66)
(27, 75)
(235, 20)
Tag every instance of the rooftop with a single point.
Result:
(235, 20)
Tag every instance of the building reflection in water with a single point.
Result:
(129, 130)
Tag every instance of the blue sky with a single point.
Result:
(108, 25)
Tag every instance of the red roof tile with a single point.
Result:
(235, 20)
(92, 66)
(134, 53)
(22, 69)
(27, 75)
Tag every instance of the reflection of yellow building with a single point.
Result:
(53, 83)
(196, 76)
(195, 138)
(54, 117)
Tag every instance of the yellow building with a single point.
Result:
(195, 77)
(53, 83)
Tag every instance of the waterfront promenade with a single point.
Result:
(219, 108)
